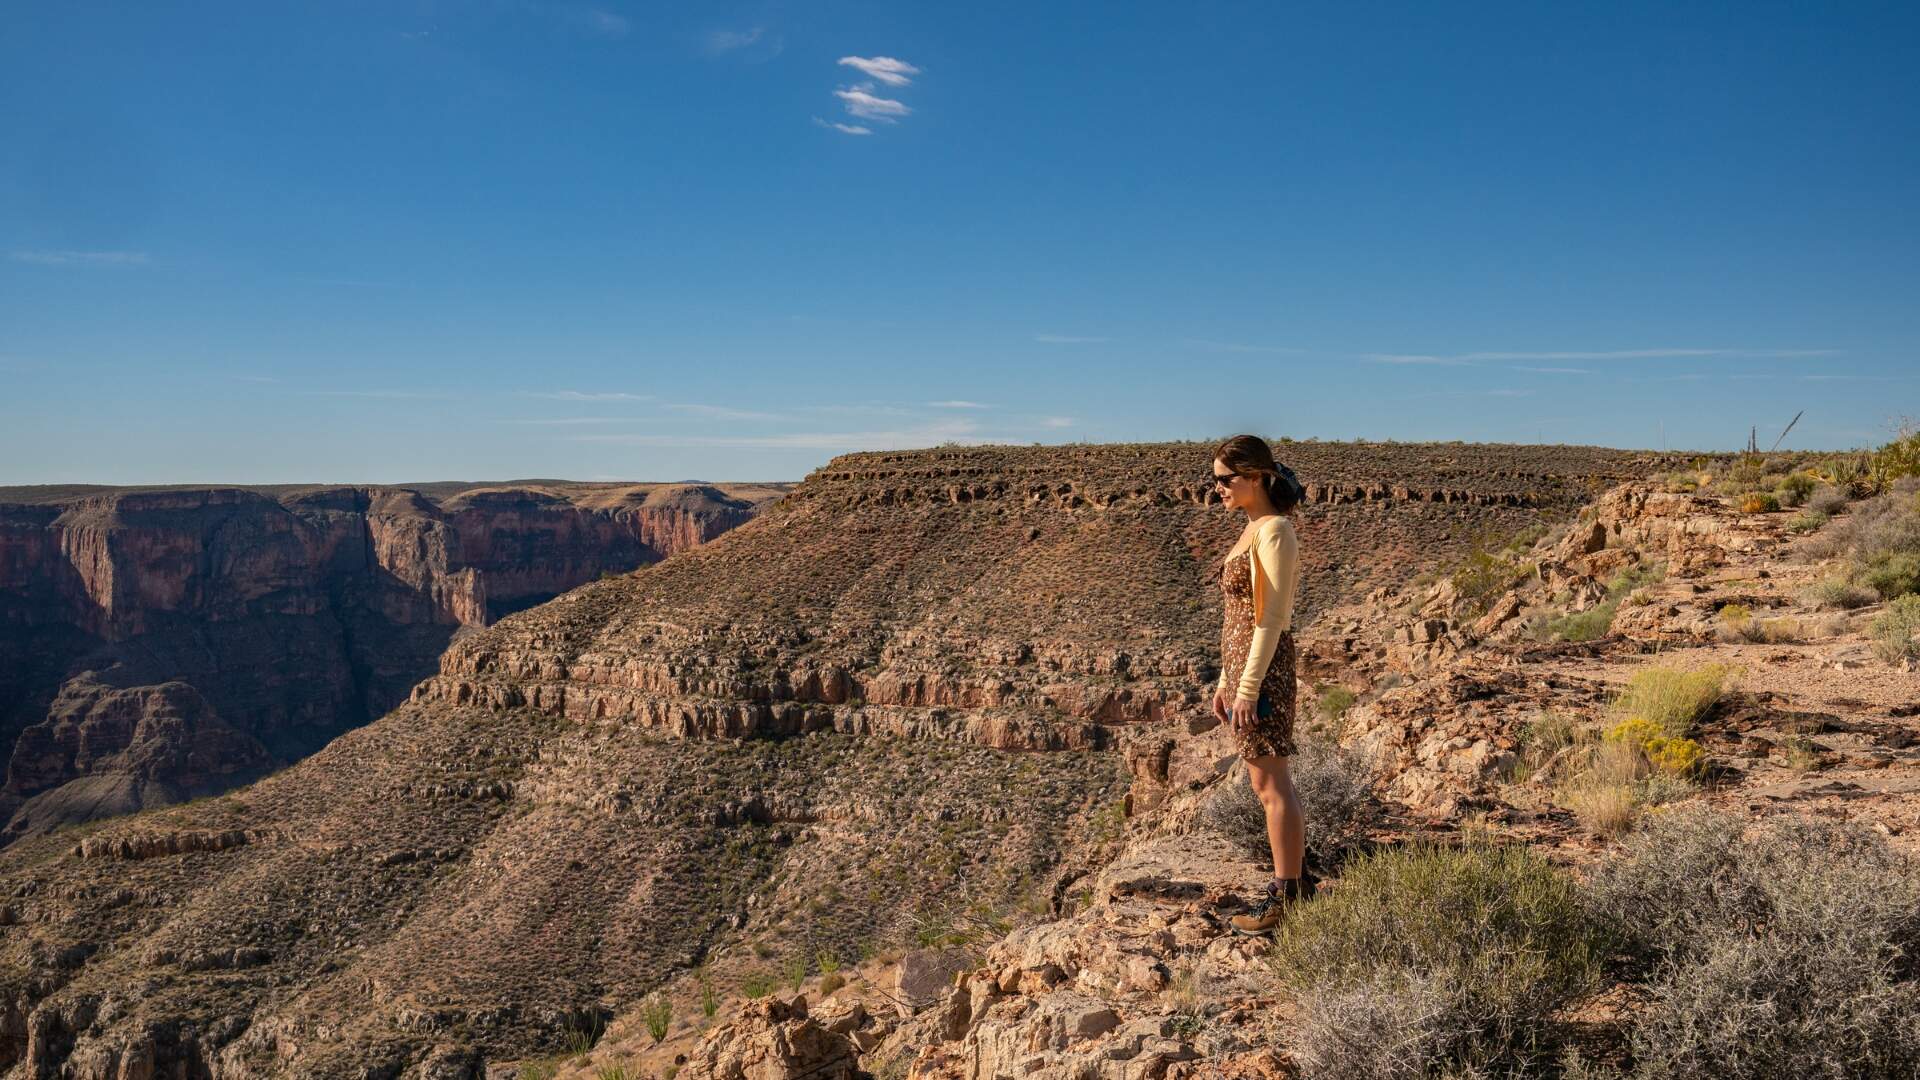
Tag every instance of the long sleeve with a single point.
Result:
(1276, 574)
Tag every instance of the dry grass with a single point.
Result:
(1671, 698)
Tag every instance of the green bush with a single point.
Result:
(1837, 592)
(1893, 630)
(1795, 489)
(1460, 954)
(657, 1013)
(1892, 574)
(1826, 500)
(1790, 951)
(1334, 703)
(1670, 698)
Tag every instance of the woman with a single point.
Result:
(1255, 693)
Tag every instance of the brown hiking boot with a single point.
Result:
(1273, 905)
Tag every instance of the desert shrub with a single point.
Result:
(540, 1069)
(1806, 521)
(832, 981)
(1678, 756)
(1795, 488)
(1492, 566)
(1670, 698)
(1597, 620)
(1603, 808)
(1334, 703)
(1826, 500)
(1898, 460)
(1892, 574)
(1455, 957)
(756, 985)
(1759, 502)
(1335, 786)
(1735, 613)
(1837, 592)
(657, 1013)
(1790, 951)
(1893, 630)
(1544, 742)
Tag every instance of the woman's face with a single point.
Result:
(1233, 493)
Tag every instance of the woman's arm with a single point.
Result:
(1276, 559)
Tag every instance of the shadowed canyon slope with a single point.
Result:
(159, 644)
(596, 793)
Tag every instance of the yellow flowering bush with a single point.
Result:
(1670, 754)
(1681, 757)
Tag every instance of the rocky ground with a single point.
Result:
(1141, 978)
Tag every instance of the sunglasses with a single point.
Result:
(1223, 478)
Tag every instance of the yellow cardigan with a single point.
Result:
(1274, 565)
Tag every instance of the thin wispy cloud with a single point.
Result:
(574, 420)
(1411, 358)
(1500, 392)
(867, 106)
(957, 404)
(1555, 370)
(80, 258)
(753, 44)
(1240, 347)
(1057, 421)
(1615, 354)
(1068, 339)
(397, 394)
(721, 412)
(850, 129)
(1646, 354)
(598, 21)
(884, 68)
(576, 395)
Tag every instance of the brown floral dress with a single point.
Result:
(1272, 733)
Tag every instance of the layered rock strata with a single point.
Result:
(157, 645)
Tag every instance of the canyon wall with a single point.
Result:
(157, 645)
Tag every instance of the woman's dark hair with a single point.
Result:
(1251, 455)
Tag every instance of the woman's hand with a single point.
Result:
(1222, 701)
(1244, 713)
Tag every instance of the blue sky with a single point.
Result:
(380, 242)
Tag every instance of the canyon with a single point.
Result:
(163, 644)
(920, 689)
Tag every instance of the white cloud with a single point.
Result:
(81, 258)
(885, 68)
(1068, 339)
(957, 404)
(1057, 421)
(1554, 370)
(865, 105)
(848, 129)
(575, 395)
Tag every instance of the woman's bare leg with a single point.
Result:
(1272, 781)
